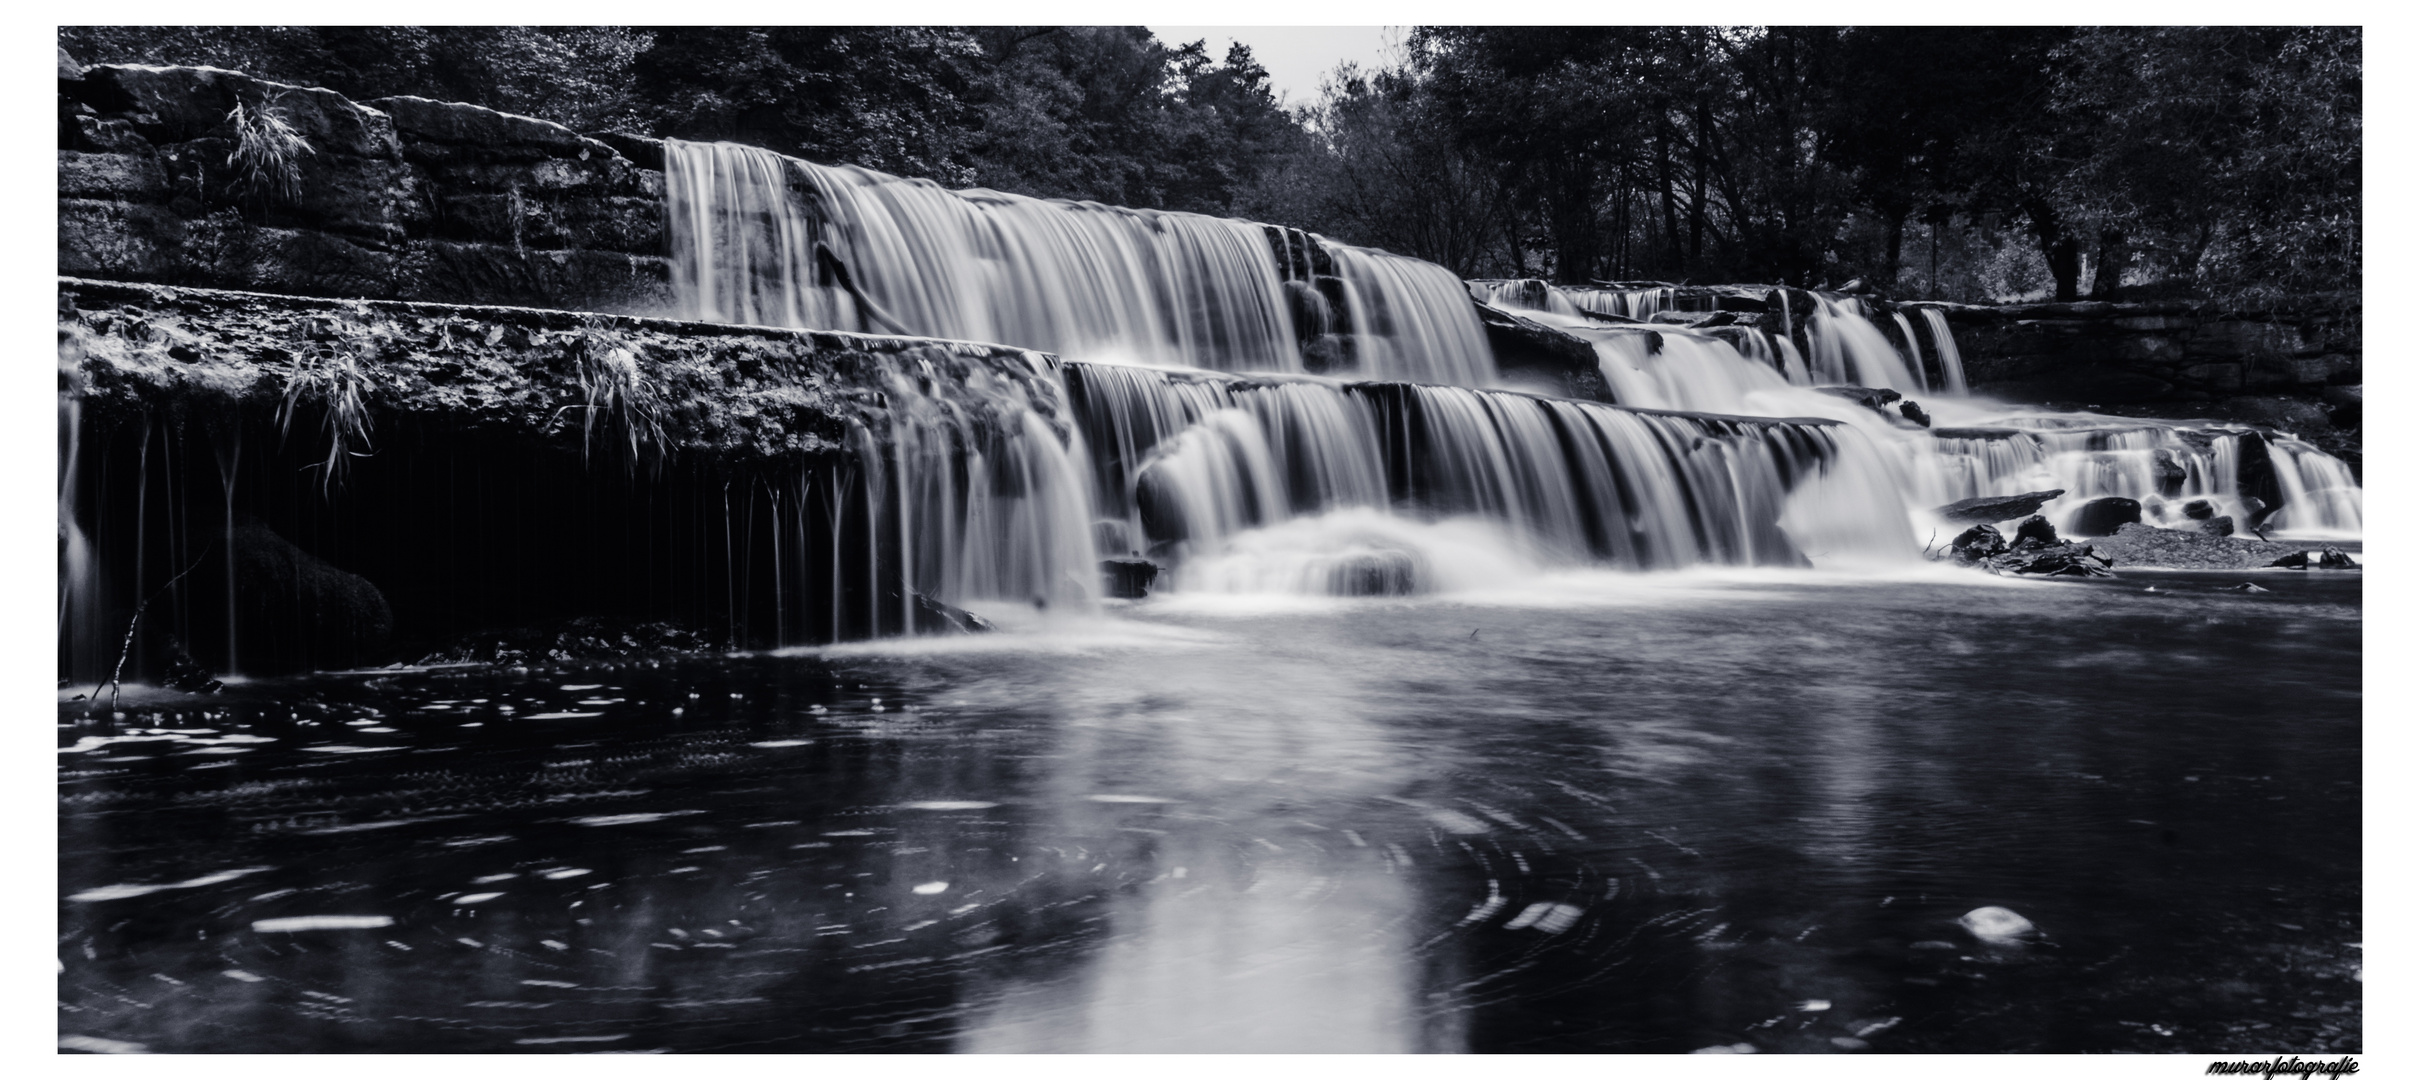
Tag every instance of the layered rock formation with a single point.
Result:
(202, 177)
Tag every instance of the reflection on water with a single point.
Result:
(1615, 813)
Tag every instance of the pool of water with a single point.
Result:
(1608, 813)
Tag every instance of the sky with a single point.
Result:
(1297, 56)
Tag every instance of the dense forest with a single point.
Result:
(1966, 163)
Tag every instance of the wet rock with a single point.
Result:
(186, 675)
(2036, 559)
(2327, 558)
(2037, 529)
(2246, 587)
(2200, 509)
(1872, 397)
(2219, 526)
(2103, 516)
(1977, 544)
(935, 617)
(1915, 412)
(1379, 573)
(1537, 355)
(2187, 549)
(1851, 1042)
(1996, 925)
(1128, 579)
(296, 612)
(1991, 508)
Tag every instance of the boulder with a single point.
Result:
(1915, 412)
(296, 612)
(2037, 529)
(1996, 925)
(935, 617)
(1872, 397)
(2200, 509)
(1990, 508)
(2218, 526)
(2103, 516)
(1533, 353)
(1128, 579)
(1977, 544)
(2033, 558)
(2327, 558)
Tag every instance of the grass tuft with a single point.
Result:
(268, 153)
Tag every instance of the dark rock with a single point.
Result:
(1872, 397)
(2034, 558)
(2187, 549)
(1976, 433)
(935, 617)
(2200, 509)
(1915, 412)
(2326, 558)
(295, 612)
(1128, 579)
(186, 675)
(1977, 544)
(69, 70)
(2246, 587)
(1383, 573)
(2221, 525)
(2037, 529)
(2103, 516)
(1990, 508)
(1539, 355)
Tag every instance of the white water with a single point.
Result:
(1975, 447)
(1082, 280)
(1293, 483)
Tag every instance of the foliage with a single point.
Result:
(1973, 160)
(268, 152)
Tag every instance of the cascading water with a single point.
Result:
(766, 238)
(1229, 481)
(1312, 485)
(1915, 356)
(1953, 369)
(1979, 448)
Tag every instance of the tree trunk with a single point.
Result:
(1896, 234)
(2109, 267)
(2058, 249)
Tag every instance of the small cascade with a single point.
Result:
(1980, 448)
(758, 237)
(1844, 347)
(1233, 471)
(1915, 356)
(1412, 320)
(1945, 346)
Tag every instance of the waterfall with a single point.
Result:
(1915, 356)
(1314, 485)
(758, 237)
(1412, 320)
(1953, 370)
(1848, 347)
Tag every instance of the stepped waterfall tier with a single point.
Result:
(523, 590)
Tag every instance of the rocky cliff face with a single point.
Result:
(555, 379)
(2107, 353)
(203, 177)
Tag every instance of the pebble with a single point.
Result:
(1996, 925)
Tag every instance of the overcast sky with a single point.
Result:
(1297, 56)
